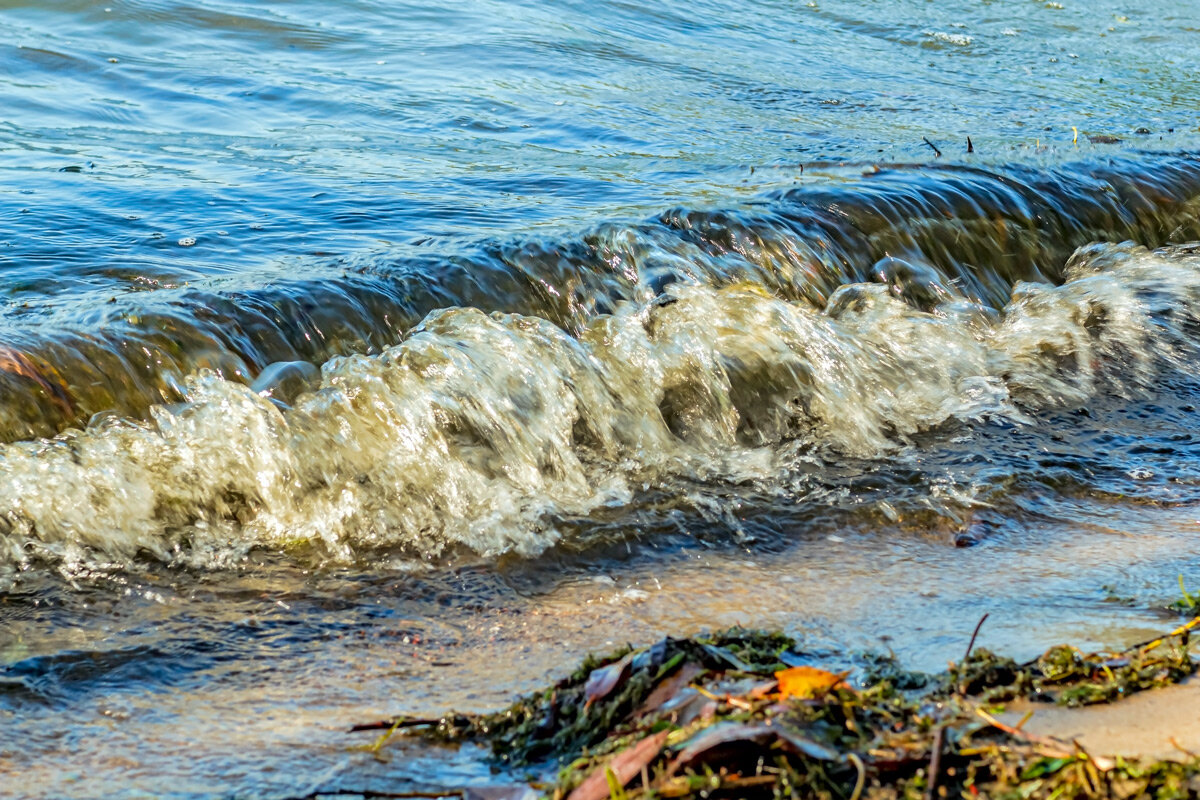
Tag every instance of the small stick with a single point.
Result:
(936, 153)
(737, 702)
(935, 762)
(388, 724)
(971, 644)
(1175, 743)
(1058, 747)
(1153, 643)
(862, 775)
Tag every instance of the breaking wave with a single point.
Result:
(481, 430)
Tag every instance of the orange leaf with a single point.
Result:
(808, 682)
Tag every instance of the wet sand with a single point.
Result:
(1157, 725)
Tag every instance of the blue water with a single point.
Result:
(348, 127)
(363, 358)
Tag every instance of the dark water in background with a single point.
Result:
(757, 356)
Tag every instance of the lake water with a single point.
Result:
(367, 358)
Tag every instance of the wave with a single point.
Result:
(975, 231)
(481, 431)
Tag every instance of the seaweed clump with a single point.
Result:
(738, 714)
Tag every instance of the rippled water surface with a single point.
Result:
(367, 358)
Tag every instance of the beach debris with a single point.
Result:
(740, 714)
(808, 682)
(620, 770)
(604, 679)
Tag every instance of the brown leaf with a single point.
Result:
(725, 742)
(628, 763)
(669, 688)
(604, 679)
(733, 744)
(688, 706)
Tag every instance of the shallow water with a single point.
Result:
(203, 685)
(361, 359)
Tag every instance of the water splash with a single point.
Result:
(479, 431)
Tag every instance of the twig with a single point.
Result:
(1175, 743)
(971, 644)
(862, 775)
(738, 703)
(935, 763)
(1153, 643)
(378, 744)
(1045, 741)
(389, 724)
(1010, 730)
(936, 153)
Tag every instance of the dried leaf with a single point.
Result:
(604, 679)
(723, 655)
(761, 691)
(808, 681)
(804, 746)
(624, 767)
(669, 688)
(724, 742)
